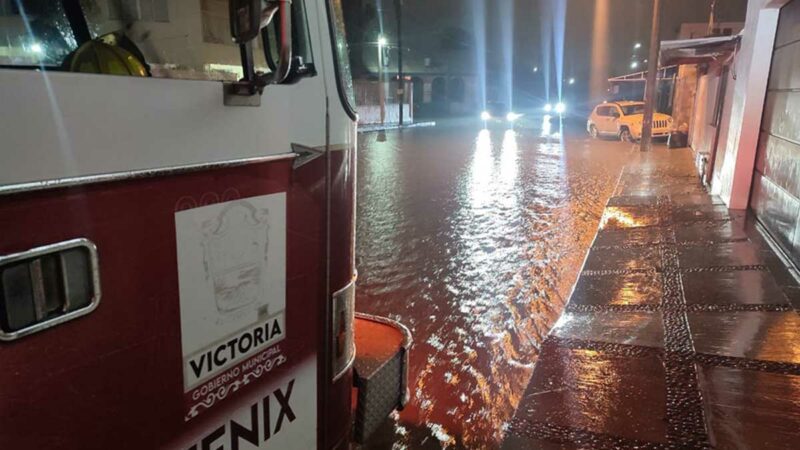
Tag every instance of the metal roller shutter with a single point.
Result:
(775, 198)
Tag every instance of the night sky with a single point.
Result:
(427, 20)
(630, 22)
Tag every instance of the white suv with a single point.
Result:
(624, 121)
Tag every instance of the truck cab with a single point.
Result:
(177, 193)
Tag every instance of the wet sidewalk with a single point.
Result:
(682, 330)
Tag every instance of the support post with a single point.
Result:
(381, 87)
(652, 79)
(77, 21)
(401, 85)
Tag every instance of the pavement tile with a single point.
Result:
(729, 254)
(710, 232)
(644, 182)
(622, 258)
(768, 336)
(749, 409)
(628, 328)
(783, 275)
(627, 237)
(656, 189)
(615, 395)
(694, 213)
(634, 200)
(696, 199)
(618, 289)
(516, 441)
(739, 288)
(629, 217)
(793, 293)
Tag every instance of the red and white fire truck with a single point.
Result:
(177, 204)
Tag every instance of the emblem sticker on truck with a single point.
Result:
(232, 277)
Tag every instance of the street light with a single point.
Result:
(381, 88)
(572, 81)
(637, 45)
(535, 69)
(634, 64)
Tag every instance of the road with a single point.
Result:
(473, 239)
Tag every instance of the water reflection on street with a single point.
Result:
(473, 239)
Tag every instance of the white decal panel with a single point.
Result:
(232, 277)
(282, 416)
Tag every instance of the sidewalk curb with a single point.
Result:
(387, 127)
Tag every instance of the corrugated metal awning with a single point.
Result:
(695, 51)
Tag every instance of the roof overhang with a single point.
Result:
(696, 51)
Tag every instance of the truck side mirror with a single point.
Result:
(245, 18)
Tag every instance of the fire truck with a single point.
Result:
(177, 228)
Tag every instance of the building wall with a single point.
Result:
(719, 159)
(368, 102)
(685, 95)
(702, 132)
(750, 73)
(709, 126)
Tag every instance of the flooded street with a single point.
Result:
(473, 239)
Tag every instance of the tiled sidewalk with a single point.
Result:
(682, 330)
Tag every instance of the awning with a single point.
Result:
(695, 51)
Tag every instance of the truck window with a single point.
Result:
(344, 76)
(184, 39)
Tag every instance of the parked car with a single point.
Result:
(624, 121)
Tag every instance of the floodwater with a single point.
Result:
(473, 239)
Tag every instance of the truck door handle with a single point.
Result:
(47, 286)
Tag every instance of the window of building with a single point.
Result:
(8, 8)
(456, 89)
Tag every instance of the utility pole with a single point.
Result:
(712, 18)
(652, 79)
(381, 87)
(401, 85)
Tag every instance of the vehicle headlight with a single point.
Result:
(548, 107)
(512, 116)
(485, 115)
(561, 108)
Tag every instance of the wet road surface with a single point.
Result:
(473, 239)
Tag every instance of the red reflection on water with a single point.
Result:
(473, 239)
